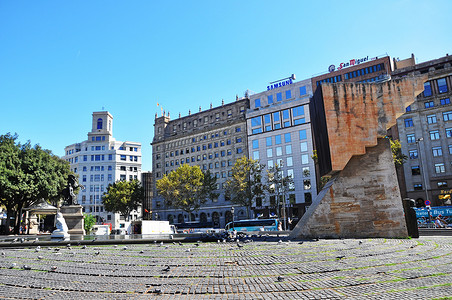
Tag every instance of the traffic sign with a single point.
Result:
(427, 202)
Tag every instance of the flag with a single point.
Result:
(146, 210)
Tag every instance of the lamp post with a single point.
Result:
(232, 212)
(424, 180)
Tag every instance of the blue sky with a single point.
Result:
(62, 60)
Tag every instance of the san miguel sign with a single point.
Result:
(352, 62)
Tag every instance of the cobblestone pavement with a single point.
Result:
(324, 269)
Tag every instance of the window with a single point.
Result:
(269, 152)
(287, 138)
(439, 168)
(302, 134)
(302, 90)
(289, 161)
(408, 109)
(411, 138)
(255, 155)
(306, 172)
(286, 118)
(270, 164)
(99, 123)
(450, 149)
(304, 146)
(237, 140)
(278, 151)
(277, 139)
(307, 184)
(431, 119)
(307, 197)
(445, 101)
(267, 122)
(413, 154)
(442, 85)
(429, 104)
(239, 150)
(304, 159)
(270, 99)
(417, 186)
(427, 89)
(288, 149)
(434, 135)
(257, 103)
(437, 151)
(442, 184)
(415, 170)
(238, 129)
(257, 121)
(298, 111)
(409, 122)
(288, 94)
(268, 141)
(278, 97)
(447, 116)
(255, 144)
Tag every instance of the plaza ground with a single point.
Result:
(265, 268)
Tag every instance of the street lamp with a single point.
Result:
(232, 212)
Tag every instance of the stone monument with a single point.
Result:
(61, 231)
(350, 122)
(71, 210)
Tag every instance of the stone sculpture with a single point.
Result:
(69, 196)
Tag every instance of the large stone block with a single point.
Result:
(74, 219)
(361, 201)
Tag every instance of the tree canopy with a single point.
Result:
(123, 197)
(28, 174)
(187, 188)
(246, 182)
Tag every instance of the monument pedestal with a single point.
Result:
(74, 219)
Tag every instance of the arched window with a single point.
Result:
(99, 123)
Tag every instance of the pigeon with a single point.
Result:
(56, 249)
(280, 278)
(174, 243)
(84, 247)
(13, 265)
(317, 239)
(301, 243)
(360, 242)
(188, 250)
(231, 248)
(218, 241)
(97, 252)
(124, 248)
(197, 244)
(340, 257)
(161, 243)
(412, 246)
(141, 251)
(68, 245)
(15, 240)
(79, 243)
(53, 268)
(22, 240)
(40, 257)
(280, 242)
(171, 237)
(180, 243)
(3, 253)
(25, 267)
(239, 245)
(158, 291)
(38, 249)
(167, 247)
(167, 269)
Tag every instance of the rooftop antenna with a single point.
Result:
(290, 77)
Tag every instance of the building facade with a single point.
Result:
(146, 181)
(356, 70)
(425, 133)
(279, 134)
(213, 140)
(100, 161)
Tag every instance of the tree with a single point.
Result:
(187, 188)
(123, 197)
(278, 185)
(28, 174)
(246, 182)
(396, 149)
(88, 221)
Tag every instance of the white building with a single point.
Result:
(279, 133)
(100, 161)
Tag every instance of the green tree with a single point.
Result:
(187, 188)
(27, 174)
(123, 197)
(245, 184)
(278, 185)
(88, 221)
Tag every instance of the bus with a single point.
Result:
(253, 225)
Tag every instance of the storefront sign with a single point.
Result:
(279, 84)
(350, 63)
(434, 211)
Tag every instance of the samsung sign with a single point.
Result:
(352, 62)
(279, 84)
